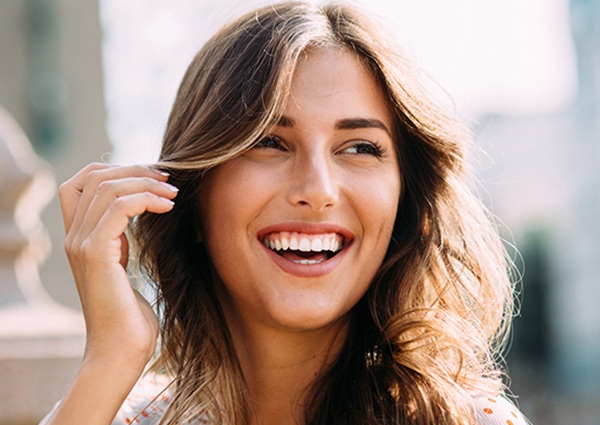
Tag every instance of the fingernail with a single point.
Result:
(161, 172)
(167, 201)
(170, 187)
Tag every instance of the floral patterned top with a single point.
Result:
(148, 401)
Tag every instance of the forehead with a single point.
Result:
(334, 82)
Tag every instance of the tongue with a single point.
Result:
(299, 255)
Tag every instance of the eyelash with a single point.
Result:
(372, 148)
(267, 142)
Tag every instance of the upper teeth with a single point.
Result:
(303, 242)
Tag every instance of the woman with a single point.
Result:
(317, 254)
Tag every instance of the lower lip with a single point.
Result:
(307, 270)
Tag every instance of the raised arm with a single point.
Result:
(121, 326)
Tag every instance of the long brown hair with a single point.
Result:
(424, 337)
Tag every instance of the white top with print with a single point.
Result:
(149, 400)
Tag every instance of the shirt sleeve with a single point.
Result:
(147, 402)
(498, 411)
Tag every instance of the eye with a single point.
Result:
(270, 142)
(364, 148)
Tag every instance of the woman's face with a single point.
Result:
(298, 226)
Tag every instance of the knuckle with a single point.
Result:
(68, 245)
(63, 187)
(87, 249)
(150, 181)
(140, 169)
(148, 196)
(93, 179)
(104, 187)
(63, 190)
(131, 205)
(118, 204)
(73, 248)
(94, 167)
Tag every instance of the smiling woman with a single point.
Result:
(323, 261)
(323, 175)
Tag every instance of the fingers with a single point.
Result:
(70, 192)
(115, 219)
(129, 197)
(98, 203)
(77, 193)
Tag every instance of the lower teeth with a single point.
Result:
(307, 261)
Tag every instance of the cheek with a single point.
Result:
(232, 197)
(379, 201)
(216, 213)
(227, 196)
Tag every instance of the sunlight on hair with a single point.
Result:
(510, 57)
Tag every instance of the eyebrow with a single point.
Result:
(354, 123)
(344, 124)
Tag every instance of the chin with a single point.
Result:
(311, 319)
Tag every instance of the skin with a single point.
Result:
(97, 204)
(317, 172)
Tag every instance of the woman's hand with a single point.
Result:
(122, 328)
(97, 204)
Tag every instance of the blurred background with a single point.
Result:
(94, 80)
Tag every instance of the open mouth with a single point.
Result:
(302, 248)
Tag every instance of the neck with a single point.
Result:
(280, 366)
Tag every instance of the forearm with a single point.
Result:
(122, 328)
(99, 390)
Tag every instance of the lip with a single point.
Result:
(307, 270)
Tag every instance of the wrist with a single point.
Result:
(98, 392)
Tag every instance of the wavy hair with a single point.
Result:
(425, 337)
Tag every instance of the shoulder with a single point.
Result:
(497, 411)
(147, 402)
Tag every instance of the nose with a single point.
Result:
(313, 183)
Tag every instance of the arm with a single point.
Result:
(121, 326)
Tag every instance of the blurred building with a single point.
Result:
(544, 183)
(51, 81)
(51, 84)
